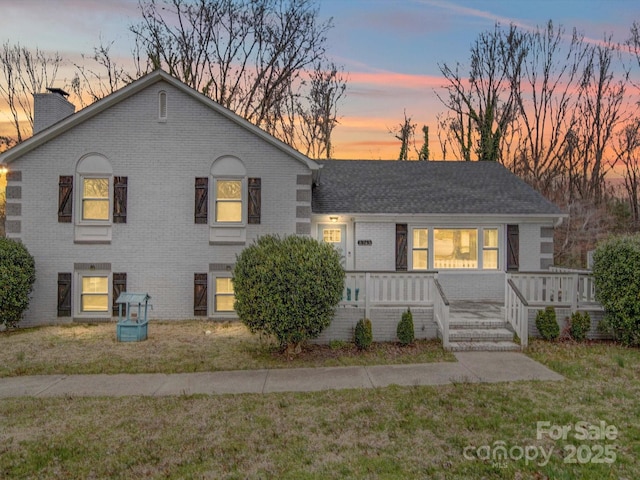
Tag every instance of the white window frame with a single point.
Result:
(215, 294)
(227, 167)
(80, 201)
(480, 247)
(496, 249)
(427, 249)
(77, 293)
(93, 165)
(243, 202)
(163, 106)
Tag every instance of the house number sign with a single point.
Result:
(365, 242)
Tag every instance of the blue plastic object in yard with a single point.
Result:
(133, 326)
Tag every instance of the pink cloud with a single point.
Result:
(396, 79)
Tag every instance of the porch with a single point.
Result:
(462, 324)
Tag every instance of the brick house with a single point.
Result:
(156, 188)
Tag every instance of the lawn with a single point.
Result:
(176, 347)
(387, 433)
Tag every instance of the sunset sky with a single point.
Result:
(389, 48)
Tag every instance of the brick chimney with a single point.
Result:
(50, 108)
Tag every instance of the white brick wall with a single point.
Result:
(529, 247)
(384, 324)
(477, 286)
(381, 254)
(160, 247)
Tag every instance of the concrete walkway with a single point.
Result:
(471, 367)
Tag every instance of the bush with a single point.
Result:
(364, 334)
(288, 288)
(17, 275)
(616, 272)
(405, 331)
(579, 325)
(547, 324)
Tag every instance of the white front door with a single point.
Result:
(335, 234)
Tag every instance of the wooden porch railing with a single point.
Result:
(371, 289)
(406, 289)
(516, 312)
(562, 287)
(441, 312)
(559, 287)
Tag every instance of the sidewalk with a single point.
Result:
(471, 367)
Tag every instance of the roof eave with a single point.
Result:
(529, 216)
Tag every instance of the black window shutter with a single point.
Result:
(65, 199)
(401, 247)
(254, 200)
(64, 294)
(119, 281)
(202, 195)
(120, 199)
(200, 295)
(513, 248)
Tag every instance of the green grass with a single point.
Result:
(177, 347)
(385, 433)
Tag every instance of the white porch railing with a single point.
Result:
(441, 313)
(407, 289)
(370, 289)
(516, 312)
(559, 287)
(568, 288)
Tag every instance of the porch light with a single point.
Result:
(333, 219)
(3, 170)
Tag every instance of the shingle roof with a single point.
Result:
(394, 187)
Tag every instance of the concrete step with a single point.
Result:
(483, 346)
(480, 335)
(476, 324)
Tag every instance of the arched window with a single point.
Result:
(229, 195)
(94, 198)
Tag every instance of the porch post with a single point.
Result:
(367, 289)
(574, 293)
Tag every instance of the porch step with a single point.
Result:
(483, 335)
(483, 346)
(475, 324)
(479, 326)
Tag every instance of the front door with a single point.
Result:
(336, 235)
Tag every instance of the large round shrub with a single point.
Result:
(288, 287)
(17, 275)
(616, 272)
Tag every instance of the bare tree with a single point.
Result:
(251, 56)
(483, 105)
(423, 153)
(455, 134)
(600, 110)
(317, 113)
(25, 73)
(546, 99)
(627, 150)
(90, 84)
(405, 133)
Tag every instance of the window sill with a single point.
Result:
(234, 235)
(92, 234)
(224, 316)
(86, 318)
